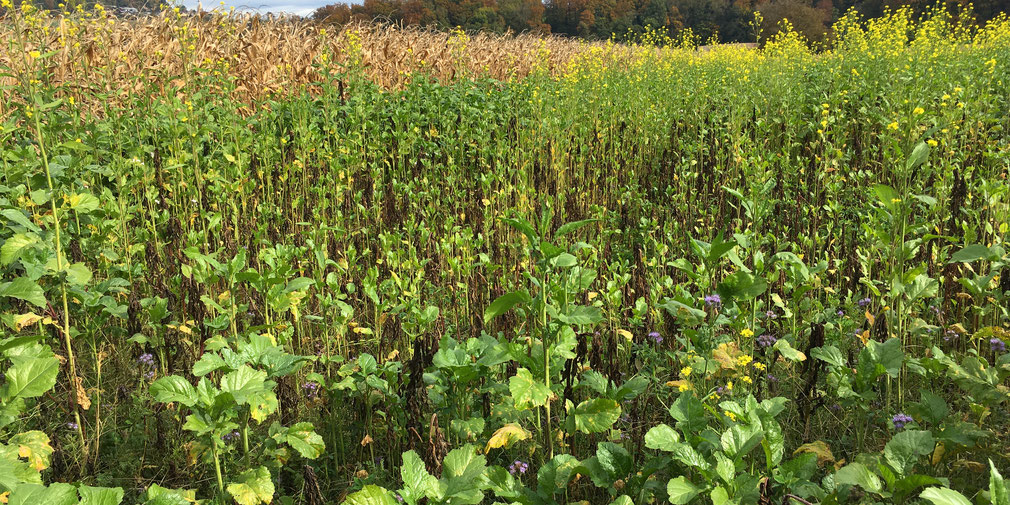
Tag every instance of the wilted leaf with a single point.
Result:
(253, 487)
(506, 436)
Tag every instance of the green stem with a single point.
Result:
(217, 467)
(63, 287)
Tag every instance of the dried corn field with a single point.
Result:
(260, 57)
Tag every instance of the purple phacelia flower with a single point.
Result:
(900, 420)
(656, 337)
(519, 467)
(864, 302)
(713, 300)
(771, 314)
(997, 345)
(311, 390)
(766, 340)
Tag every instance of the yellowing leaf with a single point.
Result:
(625, 333)
(33, 446)
(938, 453)
(254, 487)
(23, 320)
(819, 448)
(506, 436)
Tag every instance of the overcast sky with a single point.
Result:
(300, 7)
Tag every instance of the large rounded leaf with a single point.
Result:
(594, 416)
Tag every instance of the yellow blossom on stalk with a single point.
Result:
(35, 55)
(760, 366)
(730, 415)
(729, 386)
(686, 371)
(746, 332)
(918, 110)
(893, 125)
(931, 142)
(746, 378)
(744, 360)
(683, 387)
(6, 4)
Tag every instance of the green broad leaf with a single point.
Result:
(970, 253)
(553, 476)
(100, 495)
(887, 196)
(622, 500)
(595, 381)
(906, 485)
(719, 496)
(526, 391)
(157, 495)
(662, 437)
(567, 228)
(888, 354)
(829, 354)
(689, 456)
(78, 274)
(906, 447)
(197, 423)
(595, 416)
(932, 408)
(724, 467)
(503, 484)
(944, 496)
(681, 490)
(504, 303)
(581, 314)
(174, 389)
(303, 438)
(523, 226)
(208, 363)
(739, 440)
(682, 311)
(614, 459)
(468, 429)
(30, 377)
(741, 286)
(689, 413)
(564, 260)
(788, 351)
(997, 487)
(37, 494)
(918, 156)
(13, 246)
(857, 474)
(417, 482)
(19, 218)
(252, 487)
(25, 289)
(83, 203)
(244, 383)
(460, 469)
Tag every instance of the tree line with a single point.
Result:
(724, 20)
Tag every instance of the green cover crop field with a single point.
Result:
(252, 261)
